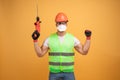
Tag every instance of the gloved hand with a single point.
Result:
(35, 35)
(88, 34)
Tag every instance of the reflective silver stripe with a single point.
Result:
(63, 63)
(60, 54)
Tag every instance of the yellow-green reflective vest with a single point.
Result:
(61, 55)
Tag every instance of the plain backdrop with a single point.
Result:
(18, 60)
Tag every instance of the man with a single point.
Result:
(60, 46)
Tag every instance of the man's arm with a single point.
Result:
(41, 51)
(83, 49)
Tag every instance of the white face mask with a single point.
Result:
(61, 27)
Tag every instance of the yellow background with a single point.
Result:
(18, 60)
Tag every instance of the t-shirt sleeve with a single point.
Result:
(46, 42)
(76, 41)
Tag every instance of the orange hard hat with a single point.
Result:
(61, 17)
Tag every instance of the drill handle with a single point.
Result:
(37, 24)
